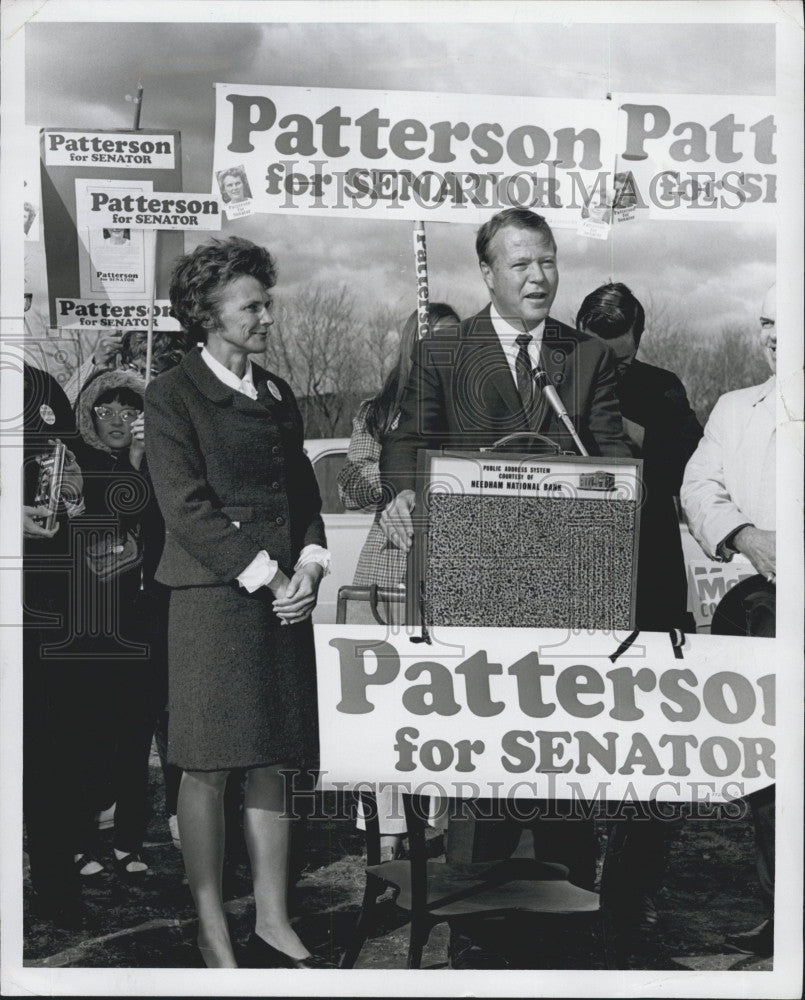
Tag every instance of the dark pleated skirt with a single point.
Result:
(242, 686)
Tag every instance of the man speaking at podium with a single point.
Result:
(469, 387)
(472, 385)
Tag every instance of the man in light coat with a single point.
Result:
(728, 495)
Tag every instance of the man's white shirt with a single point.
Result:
(507, 334)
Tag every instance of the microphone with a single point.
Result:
(540, 377)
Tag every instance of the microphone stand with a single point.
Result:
(540, 378)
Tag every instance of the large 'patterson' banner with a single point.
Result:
(459, 157)
(546, 713)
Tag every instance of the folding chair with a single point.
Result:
(370, 598)
(432, 892)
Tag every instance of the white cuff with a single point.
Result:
(314, 554)
(260, 571)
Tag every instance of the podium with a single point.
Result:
(505, 539)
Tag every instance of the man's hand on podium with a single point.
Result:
(396, 520)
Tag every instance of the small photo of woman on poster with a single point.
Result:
(234, 185)
(116, 237)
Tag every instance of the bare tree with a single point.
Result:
(709, 363)
(382, 340)
(383, 329)
(317, 344)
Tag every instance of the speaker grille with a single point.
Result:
(529, 562)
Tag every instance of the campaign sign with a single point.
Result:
(462, 157)
(408, 154)
(99, 207)
(694, 156)
(546, 713)
(127, 150)
(114, 261)
(77, 314)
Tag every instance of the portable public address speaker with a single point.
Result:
(515, 540)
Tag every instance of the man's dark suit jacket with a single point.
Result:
(461, 394)
(217, 457)
(656, 399)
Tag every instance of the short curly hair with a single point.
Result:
(199, 277)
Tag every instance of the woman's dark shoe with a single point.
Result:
(261, 955)
(129, 867)
(314, 962)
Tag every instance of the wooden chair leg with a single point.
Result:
(616, 919)
(420, 932)
(366, 920)
(616, 941)
(614, 872)
(607, 942)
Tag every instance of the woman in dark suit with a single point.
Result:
(244, 554)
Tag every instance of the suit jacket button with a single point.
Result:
(276, 486)
(276, 450)
(279, 520)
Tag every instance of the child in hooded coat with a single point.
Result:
(117, 664)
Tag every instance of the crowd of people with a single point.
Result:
(172, 596)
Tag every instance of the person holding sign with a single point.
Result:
(469, 388)
(729, 498)
(359, 480)
(380, 563)
(115, 348)
(119, 680)
(244, 555)
(105, 355)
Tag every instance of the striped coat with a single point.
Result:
(359, 489)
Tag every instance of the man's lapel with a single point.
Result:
(554, 354)
(493, 366)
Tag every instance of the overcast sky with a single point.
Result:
(77, 75)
